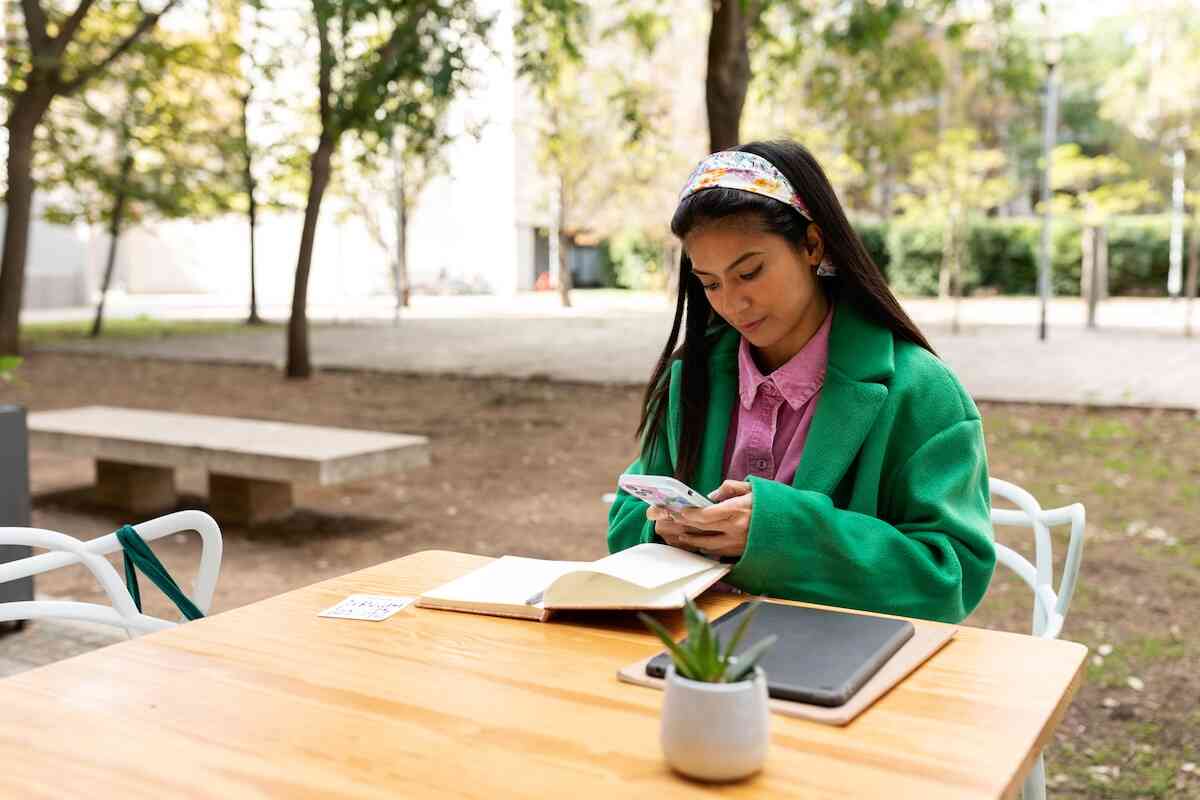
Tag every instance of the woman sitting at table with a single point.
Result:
(847, 462)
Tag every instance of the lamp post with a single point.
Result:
(1052, 53)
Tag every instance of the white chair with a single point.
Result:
(1049, 607)
(67, 550)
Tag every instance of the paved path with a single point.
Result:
(1138, 358)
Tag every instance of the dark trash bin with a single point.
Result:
(15, 504)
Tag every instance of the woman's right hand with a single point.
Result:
(667, 526)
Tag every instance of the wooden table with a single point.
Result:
(269, 700)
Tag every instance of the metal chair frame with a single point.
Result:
(1049, 606)
(66, 551)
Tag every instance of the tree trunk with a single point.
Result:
(251, 209)
(887, 192)
(114, 232)
(298, 363)
(947, 260)
(1089, 284)
(401, 261)
(955, 277)
(252, 212)
(27, 111)
(1193, 276)
(728, 75)
(564, 269)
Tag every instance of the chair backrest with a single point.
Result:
(67, 550)
(1049, 606)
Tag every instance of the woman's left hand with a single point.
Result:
(723, 528)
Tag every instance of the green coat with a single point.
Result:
(889, 508)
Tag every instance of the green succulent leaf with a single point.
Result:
(744, 664)
(683, 659)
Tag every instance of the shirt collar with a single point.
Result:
(797, 380)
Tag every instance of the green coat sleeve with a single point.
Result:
(932, 558)
(627, 523)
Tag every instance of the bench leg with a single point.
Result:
(247, 501)
(135, 487)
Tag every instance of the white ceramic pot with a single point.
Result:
(715, 731)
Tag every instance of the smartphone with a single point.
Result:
(663, 492)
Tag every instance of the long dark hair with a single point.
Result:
(858, 281)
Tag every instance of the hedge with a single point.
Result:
(1002, 255)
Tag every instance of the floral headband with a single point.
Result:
(747, 172)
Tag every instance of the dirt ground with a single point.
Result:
(519, 467)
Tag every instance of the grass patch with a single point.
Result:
(1130, 658)
(142, 327)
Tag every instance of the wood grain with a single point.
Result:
(269, 700)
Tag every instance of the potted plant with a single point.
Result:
(715, 715)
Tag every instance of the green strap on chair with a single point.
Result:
(139, 556)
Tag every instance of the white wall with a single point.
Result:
(55, 266)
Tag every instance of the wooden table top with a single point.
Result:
(269, 700)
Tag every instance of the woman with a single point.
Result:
(847, 462)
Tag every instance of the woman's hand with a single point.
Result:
(719, 530)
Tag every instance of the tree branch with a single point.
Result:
(147, 22)
(71, 27)
(35, 25)
(325, 69)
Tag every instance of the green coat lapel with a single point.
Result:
(861, 360)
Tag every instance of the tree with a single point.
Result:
(880, 84)
(254, 37)
(381, 66)
(1092, 189)
(143, 141)
(950, 184)
(399, 174)
(61, 53)
(1156, 94)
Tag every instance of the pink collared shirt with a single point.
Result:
(771, 420)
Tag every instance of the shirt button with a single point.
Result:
(760, 463)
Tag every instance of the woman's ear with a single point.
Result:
(814, 244)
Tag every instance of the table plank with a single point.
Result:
(270, 700)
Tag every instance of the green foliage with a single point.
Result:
(1001, 255)
(8, 366)
(1155, 93)
(1094, 188)
(393, 64)
(874, 238)
(147, 131)
(637, 261)
(701, 656)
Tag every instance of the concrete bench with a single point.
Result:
(251, 464)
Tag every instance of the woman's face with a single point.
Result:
(760, 284)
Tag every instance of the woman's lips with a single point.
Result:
(752, 326)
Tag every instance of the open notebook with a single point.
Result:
(648, 576)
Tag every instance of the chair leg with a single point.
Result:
(1034, 787)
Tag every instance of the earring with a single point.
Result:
(826, 269)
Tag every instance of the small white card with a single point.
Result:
(373, 607)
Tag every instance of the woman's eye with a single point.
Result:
(709, 287)
(752, 273)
